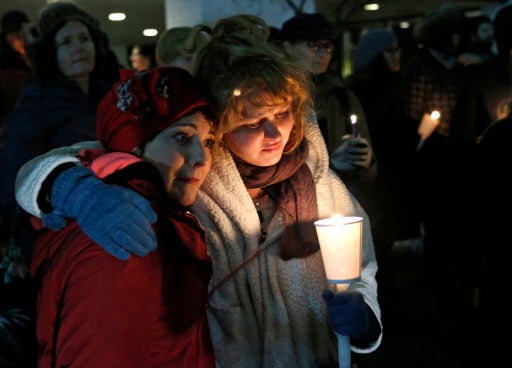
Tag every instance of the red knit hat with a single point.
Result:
(140, 106)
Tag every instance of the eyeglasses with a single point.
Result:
(318, 46)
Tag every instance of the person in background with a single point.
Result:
(142, 57)
(149, 311)
(477, 42)
(434, 81)
(58, 106)
(269, 181)
(309, 40)
(15, 69)
(377, 82)
(484, 230)
(177, 46)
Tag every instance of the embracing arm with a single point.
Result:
(56, 187)
(38, 171)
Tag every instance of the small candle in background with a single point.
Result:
(435, 115)
(428, 124)
(353, 121)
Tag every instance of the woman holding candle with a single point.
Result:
(270, 181)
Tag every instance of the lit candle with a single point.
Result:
(340, 241)
(353, 121)
(428, 124)
(435, 115)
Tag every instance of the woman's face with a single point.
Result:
(76, 52)
(139, 61)
(261, 136)
(314, 56)
(182, 155)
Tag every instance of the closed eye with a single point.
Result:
(182, 138)
(283, 115)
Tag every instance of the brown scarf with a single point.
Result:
(295, 193)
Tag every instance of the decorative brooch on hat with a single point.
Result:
(143, 93)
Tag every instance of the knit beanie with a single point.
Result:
(54, 15)
(12, 21)
(306, 27)
(371, 45)
(140, 106)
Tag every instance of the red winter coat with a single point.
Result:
(97, 311)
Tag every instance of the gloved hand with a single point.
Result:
(352, 153)
(117, 218)
(347, 313)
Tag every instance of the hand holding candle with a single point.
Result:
(428, 124)
(340, 244)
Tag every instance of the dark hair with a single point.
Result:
(148, 50)
(12, 21)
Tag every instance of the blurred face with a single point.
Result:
(76, 52)
(261, 136)
(392, 57)
(315, 56)
(139, 61)
(182, 155)
(485, 33)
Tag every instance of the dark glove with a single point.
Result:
(347, 313)
(117, 218)
(353, 152)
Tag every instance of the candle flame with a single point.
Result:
(435, 115)
(353, 119)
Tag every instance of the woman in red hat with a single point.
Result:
(94, 310)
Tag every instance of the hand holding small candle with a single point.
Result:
(428, 124)
(340, 244)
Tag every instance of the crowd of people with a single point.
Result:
(161, 214)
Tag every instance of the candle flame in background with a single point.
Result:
(353, 120)
(434, 115)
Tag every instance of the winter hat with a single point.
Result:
(306, 27)
(140, 106)
(439, 24)
(12, 21)
(502, 26)
(54, 15)
(371, 45)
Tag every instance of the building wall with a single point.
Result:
(191, 12)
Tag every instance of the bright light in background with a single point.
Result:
(405, 25)
(117, 17)
(371, 6)
(150, 32)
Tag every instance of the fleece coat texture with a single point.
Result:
(271, 313)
